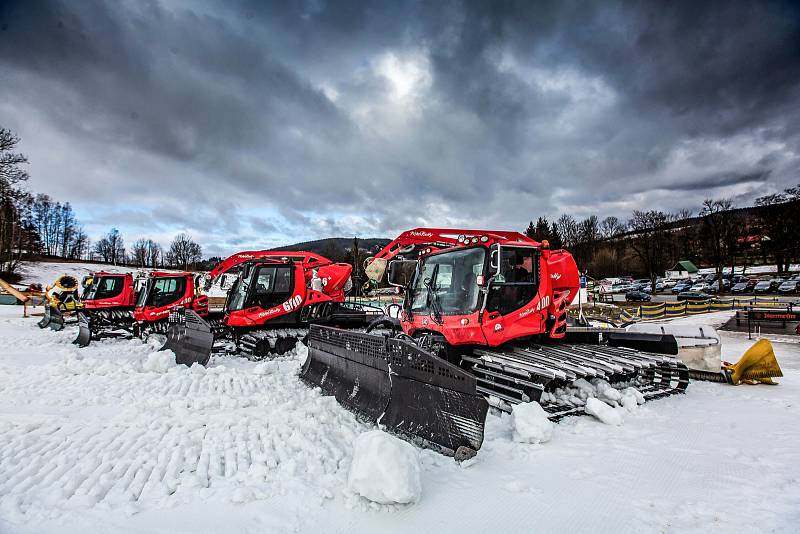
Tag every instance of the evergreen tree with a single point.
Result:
(542, 230)
(531, 230)
(555, 237)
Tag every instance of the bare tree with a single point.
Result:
(718, 233)
(15, 234)
(154, 254)
(781, 226)
(611, 227)
(111, 248)
(139, 253)
(650, 242)
(10, 171)
(184, 252)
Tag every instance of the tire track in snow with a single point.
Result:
(124, 434)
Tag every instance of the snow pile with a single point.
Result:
(159, 362)
(385, 469)
(603, 412)
(531, 424)
(631, 399)
(605, 392)
(266, 368)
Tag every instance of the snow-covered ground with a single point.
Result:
(115, 438)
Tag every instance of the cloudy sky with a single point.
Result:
(254, 124)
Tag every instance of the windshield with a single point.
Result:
(161, 291)
(272, 285)
(454, 285)
(105, 287)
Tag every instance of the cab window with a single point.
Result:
(516, 283)
(167, 290)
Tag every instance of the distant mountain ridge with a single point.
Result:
(336, 245)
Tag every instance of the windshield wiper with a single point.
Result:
(433, 297)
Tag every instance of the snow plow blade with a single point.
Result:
(44, 322)
(189, 337)
(84, 332)
(401, 387)
(55, 318)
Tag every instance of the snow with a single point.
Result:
(603, 412)
(385, 469)
(96, 439)
(531, 424)
(159, 362)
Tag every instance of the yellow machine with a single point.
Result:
(757, 366)
(61, 297)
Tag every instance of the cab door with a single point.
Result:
(515, 281)
(513, 307)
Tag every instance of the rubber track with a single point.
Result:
(540, 372)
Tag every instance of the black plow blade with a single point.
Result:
(396, 384)
(656, 343)
(84, 331)
(44, 322)
(56, 322)
(617, 337)
(189, 337)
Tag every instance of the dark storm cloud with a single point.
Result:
(252, 123)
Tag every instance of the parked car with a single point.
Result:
(789, 286)
(694, 296)
(714, 287)
(763, 286)
(741, 287)
(669, 283)
(701, 286)
(681, 286)
(637, 296)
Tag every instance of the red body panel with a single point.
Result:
(334, 276)
(197, 303)
(308, 259)
(558, 282)
(125, 299)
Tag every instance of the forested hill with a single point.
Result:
(335, 248)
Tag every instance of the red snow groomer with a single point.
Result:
(108, 303)
(275, 297)
(124, 305)
(483, 322)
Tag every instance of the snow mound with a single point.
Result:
(606, 392)
(603, 412)
(159, 362)
(385, 469)
(266, 368)
(631, 399)
(531, 424)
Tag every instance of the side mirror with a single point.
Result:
(494, 259)
(401, 272)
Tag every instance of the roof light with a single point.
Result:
(461, 238)
(484, 239)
